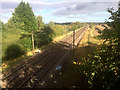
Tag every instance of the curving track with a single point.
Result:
(31, 72)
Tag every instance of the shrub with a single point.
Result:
(13, 51)
(102, 70)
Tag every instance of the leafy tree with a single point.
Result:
(78, 24)
(51, 23)
(1, 25)
(112, 31)
(40, 23)
(24, 18)
(74, 26)
(43, 37)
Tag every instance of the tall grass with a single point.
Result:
(8, 38)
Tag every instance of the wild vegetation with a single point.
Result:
(102, 69)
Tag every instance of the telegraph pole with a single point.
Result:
(73, 42)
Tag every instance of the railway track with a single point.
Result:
(25, 68)
(45, 69)
(31, 72)
(46, 52)
(69, 40)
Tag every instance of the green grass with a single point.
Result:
(8, 38)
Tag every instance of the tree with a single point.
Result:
(78, 24)
(104, 66)
(1, 25)
(24, 18)
(40, 23)
(73, 26)
(44, 36)
(111, 33)
(51, 23)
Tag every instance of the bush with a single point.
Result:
(102, 70)
(13, 51)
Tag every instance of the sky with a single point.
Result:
(63, 10)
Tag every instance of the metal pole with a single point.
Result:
(73, 42)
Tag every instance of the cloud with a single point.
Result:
(93, 0)
(61, 8)
(84, 8)
(46, 4)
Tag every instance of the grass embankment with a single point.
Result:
(12, 37)
(88, 45)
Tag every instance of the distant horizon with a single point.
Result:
(76, 21)
(62, 11)
(70, 22)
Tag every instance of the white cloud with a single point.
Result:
(63, 8)
(84, 8)
(10, 1)
(91, 0)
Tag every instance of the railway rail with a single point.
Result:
(31, 72)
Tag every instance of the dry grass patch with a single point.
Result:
(88, 43)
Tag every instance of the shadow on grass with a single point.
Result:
(13, 51)
(71, 77)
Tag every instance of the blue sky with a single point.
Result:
(63, 10)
